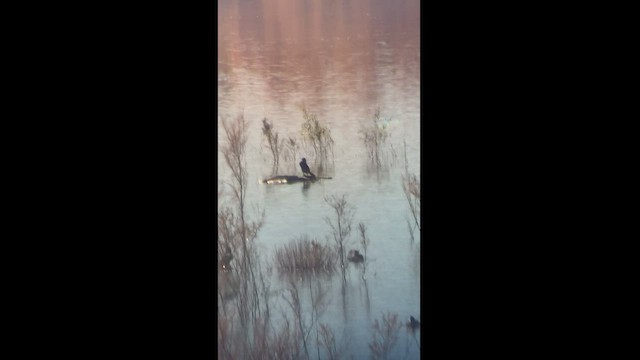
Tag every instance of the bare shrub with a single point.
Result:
(263, 342)
(341, 226)
(292, 149)
(275, 145)
(364, 241)
(284, 345)
(328, 342)
(234, 154)
(304, 256)
(236, 232)
(306, 320)
(317, 135)
(318, 306)
(296, 307)
(259, 347)
(225, 336)
(385, 335)
(411, 188)
(375, 136)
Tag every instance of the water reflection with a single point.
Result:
(345, 312)
(367, 302)
(325, 54)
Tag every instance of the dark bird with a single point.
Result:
(305, 169)
(355, 256)
(413, 323)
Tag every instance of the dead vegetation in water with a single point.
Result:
(340, 225)
(411, 188)
(245, 328)
(292, 151)
(307, 319)
(364, 241)
(264, 342)
(375, 135)
(305, 256)
(328, 342)
(385, 336)
(276, 145)
(237, 233)
(317, 135)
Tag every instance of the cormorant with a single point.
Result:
(413, 323)
(305, 169)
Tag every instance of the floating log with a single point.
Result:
(290, 179)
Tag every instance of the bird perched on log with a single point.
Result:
(305, 169)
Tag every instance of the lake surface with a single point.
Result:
(341, 60)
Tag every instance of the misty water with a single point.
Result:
(341, 60)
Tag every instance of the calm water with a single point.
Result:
(342, 60)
